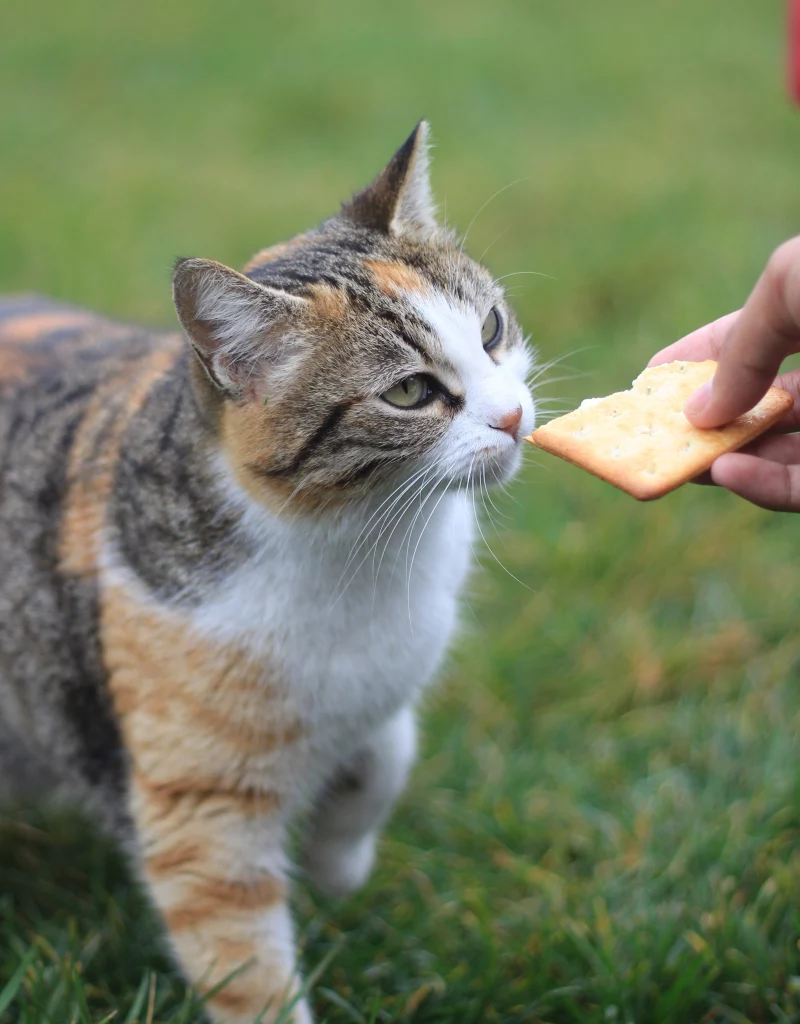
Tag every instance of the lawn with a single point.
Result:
(605, 822)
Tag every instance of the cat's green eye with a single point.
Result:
(491, 330)
(410, 393)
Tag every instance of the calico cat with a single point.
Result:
(229, 568)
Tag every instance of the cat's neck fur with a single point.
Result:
(183, 526)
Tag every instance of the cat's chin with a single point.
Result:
(489, 467)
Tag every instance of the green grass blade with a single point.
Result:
(11, 988)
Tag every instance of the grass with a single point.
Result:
(605, 823)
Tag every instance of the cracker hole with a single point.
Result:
(616, 452)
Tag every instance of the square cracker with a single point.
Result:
(640, 440)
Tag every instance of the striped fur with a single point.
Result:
(228, 568)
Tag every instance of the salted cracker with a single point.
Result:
(640, 440)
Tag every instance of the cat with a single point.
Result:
(229, 568)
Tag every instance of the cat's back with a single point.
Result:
(69, 382)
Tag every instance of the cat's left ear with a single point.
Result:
(235, 326)
(399, 201)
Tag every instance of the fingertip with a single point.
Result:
(726, 470)
(769, 485)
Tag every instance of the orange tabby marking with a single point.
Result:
(330, 303)
(94, 455)
(273, 252)
(29, 327)
(204, 725)
(392, 278)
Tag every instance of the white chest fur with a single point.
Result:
(354, 631)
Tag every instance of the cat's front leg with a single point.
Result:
(214, 866)
(339, 847)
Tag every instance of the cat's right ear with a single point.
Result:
(233, 324)
(399, 201)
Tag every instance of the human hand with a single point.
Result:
(750, 346)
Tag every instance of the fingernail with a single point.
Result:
(698, 401)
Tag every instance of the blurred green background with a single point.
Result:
(605, 824)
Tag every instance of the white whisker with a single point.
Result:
(520, 273)
(489, 548)
(399, 517)
(489, 496)
(394, 497)
(489, 246)
(491, 198)
(411, 568)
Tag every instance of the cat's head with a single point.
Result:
(360, 353)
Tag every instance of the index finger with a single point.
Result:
(704, 343)
(767, 331)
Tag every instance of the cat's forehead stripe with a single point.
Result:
(394, 278)
(329, 302)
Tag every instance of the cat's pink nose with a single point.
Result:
(509, 423)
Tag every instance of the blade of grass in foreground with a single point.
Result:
(11, 988)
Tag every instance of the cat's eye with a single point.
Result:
(410, 393)
(491, 330)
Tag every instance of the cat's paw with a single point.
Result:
(339, 868)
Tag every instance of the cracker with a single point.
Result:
(640, 440)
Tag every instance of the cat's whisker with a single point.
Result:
(521, 273)
(500, 532)
(409, 533)
(416, 548)
(491, 199)
(558, 380)
(363, 538)
(372, 536)
(363, 535)
(406, 540)
(539, 465)
(408, 536)
(490, 550)
(507, 494)
(300, 485)
(491, 500)
(400, 517)
(383, 524)
(558, 410)
(466, 509)
(541, 368)
(489, 246)
(480, 489)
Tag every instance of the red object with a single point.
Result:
(794, 49)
